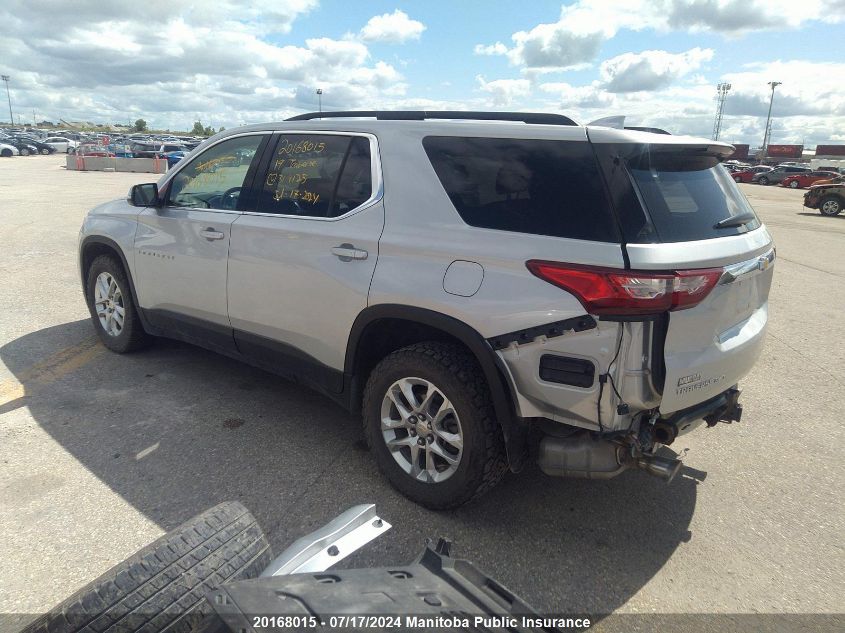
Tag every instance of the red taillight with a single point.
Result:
(613, 292)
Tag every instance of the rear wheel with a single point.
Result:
(45, 151)
(6, 153)
(794, 184)
(429, 421)
(162, 586)
(763, 180)
(831, 205)
(112, 310)
(737, 179)
(24, 152)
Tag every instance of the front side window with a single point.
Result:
(214, 179)
(317, 175)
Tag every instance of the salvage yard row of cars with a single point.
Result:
(17, 142)
(790, 175)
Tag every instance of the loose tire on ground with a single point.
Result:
(830, 205)
(457, 374)
(161, 588)
(132, 337)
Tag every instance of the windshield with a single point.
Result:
(686, 196)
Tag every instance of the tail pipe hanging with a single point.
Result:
(582, 456)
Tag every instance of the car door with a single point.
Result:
(300, 266)
(181, 247)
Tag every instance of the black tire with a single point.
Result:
(6, 153)
(161, 588)
(457, 375)
(737, 179)
(24, 152)
(793, 184)
(830, 205)
(132, 336)
(763, 180)
(44, 151)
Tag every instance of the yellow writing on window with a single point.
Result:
(296, 194)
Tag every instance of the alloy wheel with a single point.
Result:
(422, 430)
(108, 304)
(830, 207)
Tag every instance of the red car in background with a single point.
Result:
(805, 180)
(90, 149)
(747, 174)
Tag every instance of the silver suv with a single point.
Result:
(480, 286)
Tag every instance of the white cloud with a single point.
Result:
(492, 49)
(212, 60)
(650, 70)
(394, 27)
(583, 27)
(504, 91)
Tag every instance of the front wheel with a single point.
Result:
(6, 153)
(429, 421)
(45, 151)
(737, 179)
(763, 180)
(830, 206)
(111, 306)
(24, 152)
(794, 184)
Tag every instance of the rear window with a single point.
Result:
(526, 186)
(685, 196)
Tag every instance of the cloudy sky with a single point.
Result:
(228, 62)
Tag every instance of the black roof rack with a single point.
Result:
(538, 118)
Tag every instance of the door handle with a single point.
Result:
(210, 234)
(347, 252)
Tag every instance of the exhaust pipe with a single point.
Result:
(581, 456)
(662, 467)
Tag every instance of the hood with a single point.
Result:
(826, 186)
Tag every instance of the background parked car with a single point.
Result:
(174, 157)
(836, 180)
(24, 148)
(87, 149)
(828, 199)
(777, 174)
(61, 143)
(747, 174)
(805, 180)
(120, 150)
(7, 151)
(43, 148)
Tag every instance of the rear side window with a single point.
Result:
(526, 186)
(317, 176)
(686, 196)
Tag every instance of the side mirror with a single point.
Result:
(145, 195)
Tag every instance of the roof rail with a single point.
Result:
(537, 118)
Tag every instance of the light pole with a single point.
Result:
(766, 134)
(722, 94)
(6, 79)
(320, 99)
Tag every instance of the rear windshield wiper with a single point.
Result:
(735, 220)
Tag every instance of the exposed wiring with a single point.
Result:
(603, 378)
